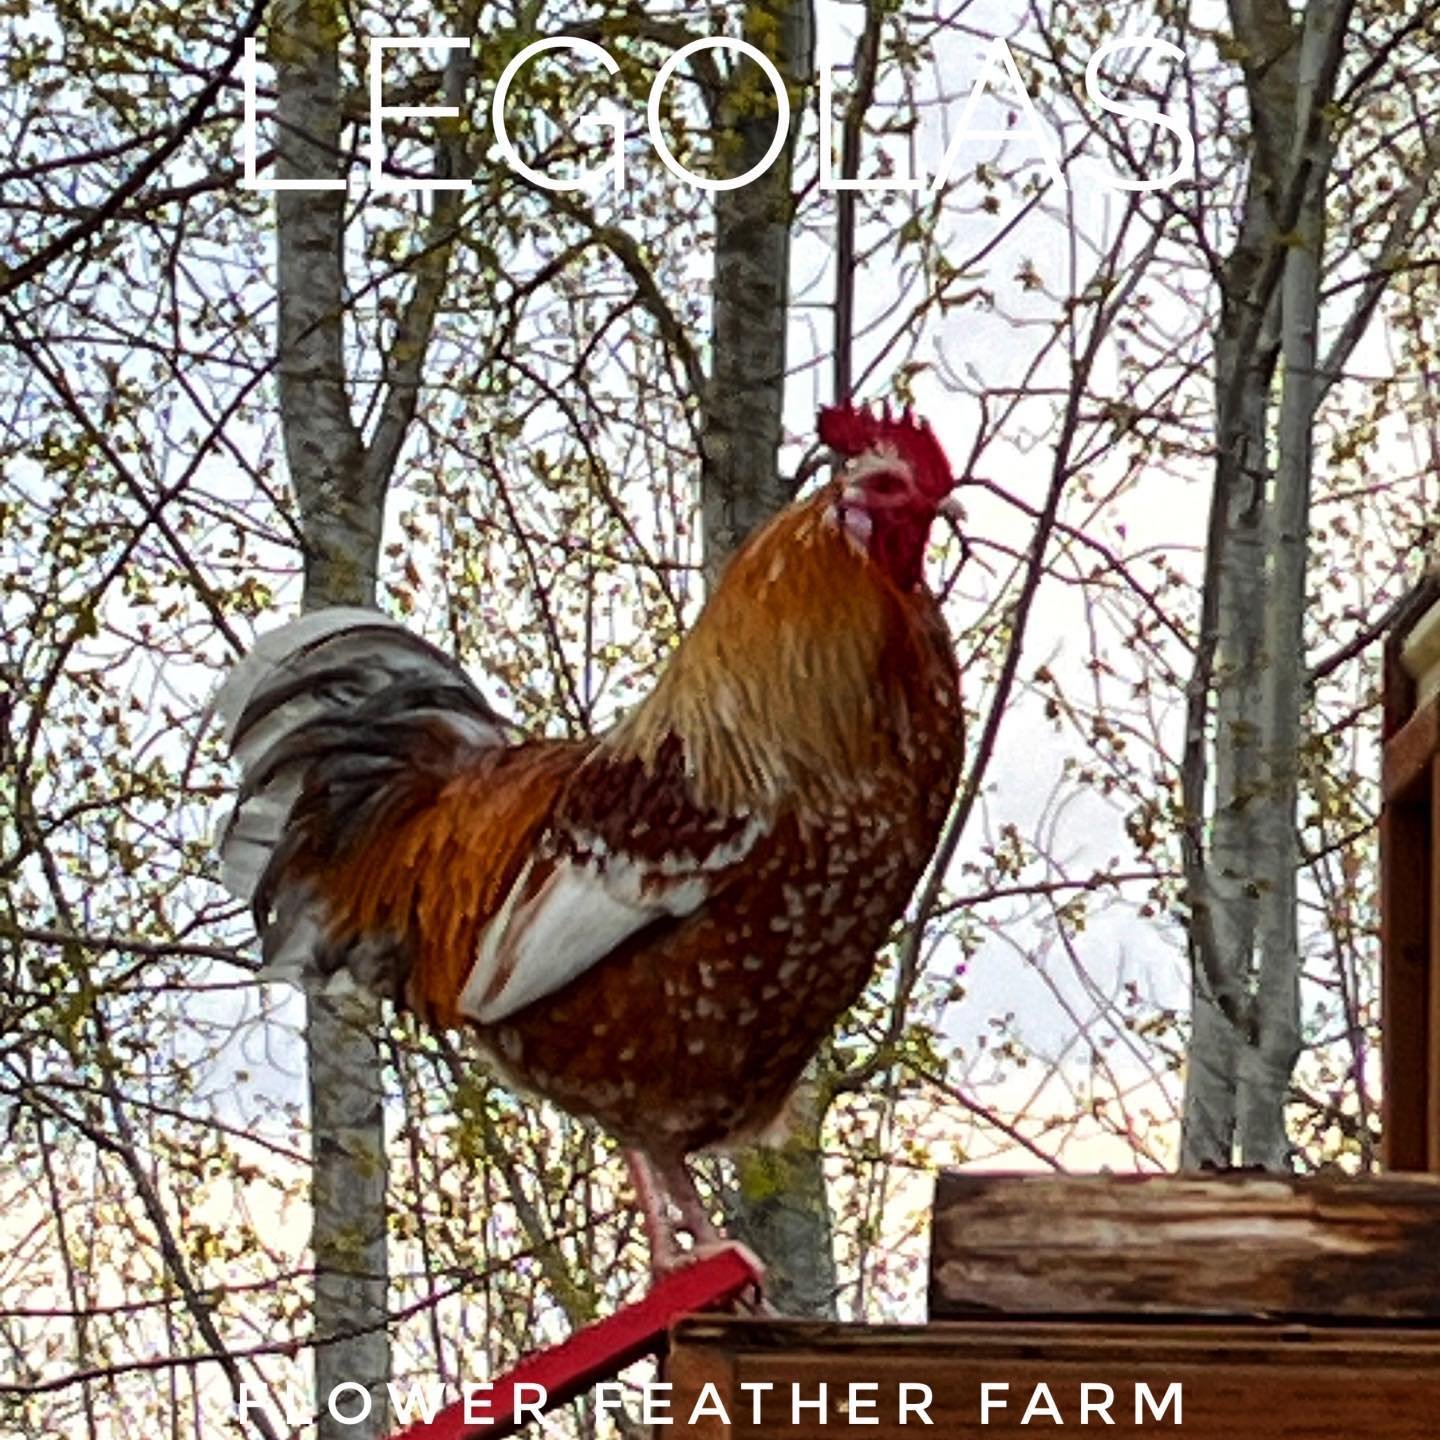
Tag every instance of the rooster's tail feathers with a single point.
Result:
(336, 720)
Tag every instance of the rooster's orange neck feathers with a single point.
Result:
(785, 686)
(797, 672)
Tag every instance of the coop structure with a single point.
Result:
(1306, 1308)
(1410, 884)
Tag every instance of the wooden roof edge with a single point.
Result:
(1410, 607)
(1398, 700)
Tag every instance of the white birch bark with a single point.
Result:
(1273, 1044)
(1222, 873)
(1237, 570)
(1246, 989)
(741, 484)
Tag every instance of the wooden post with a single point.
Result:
(1405, 883)
(1429, 1076)
(1410, 890)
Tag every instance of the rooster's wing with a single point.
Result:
(389, 827)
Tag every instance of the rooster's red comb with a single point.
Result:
(852, 431)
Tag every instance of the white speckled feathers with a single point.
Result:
(564, 914)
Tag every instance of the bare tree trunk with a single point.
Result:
(340, 519)
(340, 486)
(779, 1205)
(1246, 981)
(741, 484)
(1273, 1046)
(1224, 892)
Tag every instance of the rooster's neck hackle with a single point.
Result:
(785, 688)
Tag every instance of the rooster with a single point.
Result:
(658, 926)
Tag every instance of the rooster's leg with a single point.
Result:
(657, 1184)
(693, 1214)
(706, 1236)
(665, 1252)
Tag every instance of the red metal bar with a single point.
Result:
(600, 1350)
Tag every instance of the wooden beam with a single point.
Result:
(1427, 1082)
(1399, 685)
(1406, 881)
(1194, 1245)
(1410, 900)
(1409, 753)
(1263, 1382)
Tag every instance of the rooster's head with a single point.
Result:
(894, 482)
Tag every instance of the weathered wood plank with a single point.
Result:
(1264, 1382)
(1201, 1245)
(689, 1368)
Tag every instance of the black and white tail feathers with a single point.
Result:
(333, 719)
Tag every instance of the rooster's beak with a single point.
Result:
(951, 508)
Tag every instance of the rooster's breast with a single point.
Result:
(694, 1031)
